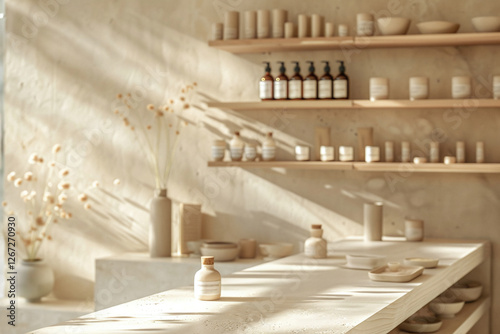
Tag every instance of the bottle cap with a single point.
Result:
(327, 66)
(316, 226)
(268, 67)
(297, 67)
(207, 260)
(311, 66)
(341, 67)
(282, 67)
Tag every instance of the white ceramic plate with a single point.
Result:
(421, 325)
(422, 262)
(404, 274)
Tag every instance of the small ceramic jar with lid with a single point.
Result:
(419, 88)
(302, 153)
(327, 153)
(365, 24)
(479, 152)
(372, 153)
(379, 89)
(434, 152)
(460, 152)
(405, 151)
(346, 153)
(389, 151)
(207, 280)
(218, 150)
(316, 247)
(461, 87)
(343, 30)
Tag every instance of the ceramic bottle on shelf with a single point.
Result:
(207, 280)
(310, 84)
(236, 146)
(266, 91)
(341, 84)
(315, 246)
(295, 84)
(269, 148)
(325, 84)
(281, 84)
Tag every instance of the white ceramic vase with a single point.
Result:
(35, 279)
(160, 235)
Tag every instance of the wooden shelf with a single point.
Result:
(336, 165)
(426, 167)
(334, 43)
(470, 104)
(365, 167)
(464, 320)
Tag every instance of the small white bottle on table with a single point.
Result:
(315, 246)
(207, 280)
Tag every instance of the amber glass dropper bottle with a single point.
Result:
(341, 84)
(310, 84)
(266, 84)
(281, 84)
(295, 84)
(325, 84)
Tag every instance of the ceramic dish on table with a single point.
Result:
(438, 27)
(393, 25)
(446, 308)
(220, 250)
(402, 274)
(421, 324)
(486, 23)
(467, 291)
(366, 262)
(275, 250)
(427, 263)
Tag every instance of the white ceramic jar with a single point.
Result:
(461, 87)
(327, 153)
(316, 247)
(302, 153)
(365, 24)
(217, 29)
(496, 87)
(236, 147)
(434, 152)
(250, 152)
(303, 26)
(389, 151)
(405, 151)
(343, 30)
(250, 24)
(269, 148)
(479, 152)
(35, 279)
(207, 280)
(379, 89)
(419, 88)
(316, 25)
(448, 160)
(231, 25)
(414, 229)
(346, 153)
(372, 153)
(460, 152)
(218, 150)
(278, 23)
(263, 24)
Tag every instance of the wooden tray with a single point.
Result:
(404, 274)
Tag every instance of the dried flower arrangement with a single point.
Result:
(44, 189)
(157, 129)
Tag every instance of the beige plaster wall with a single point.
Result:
(67, 60)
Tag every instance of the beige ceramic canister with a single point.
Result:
(316, 247)
(414, 229)
(207, 280)
(269, 148)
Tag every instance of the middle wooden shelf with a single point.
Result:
(469, 104)
(403, 167)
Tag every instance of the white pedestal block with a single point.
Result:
(130, 276)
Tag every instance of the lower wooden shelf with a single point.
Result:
(464, 320)
(366, 167)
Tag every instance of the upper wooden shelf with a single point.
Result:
(470, 104)
(366, 167)
(239, 46)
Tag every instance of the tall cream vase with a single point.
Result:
(160, 229)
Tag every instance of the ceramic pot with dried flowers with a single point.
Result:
(44, 189)
(158, 130)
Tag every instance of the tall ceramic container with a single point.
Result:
(373, 219)
(160, 235)
(35, 279)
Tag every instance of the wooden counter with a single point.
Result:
(299, 295)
